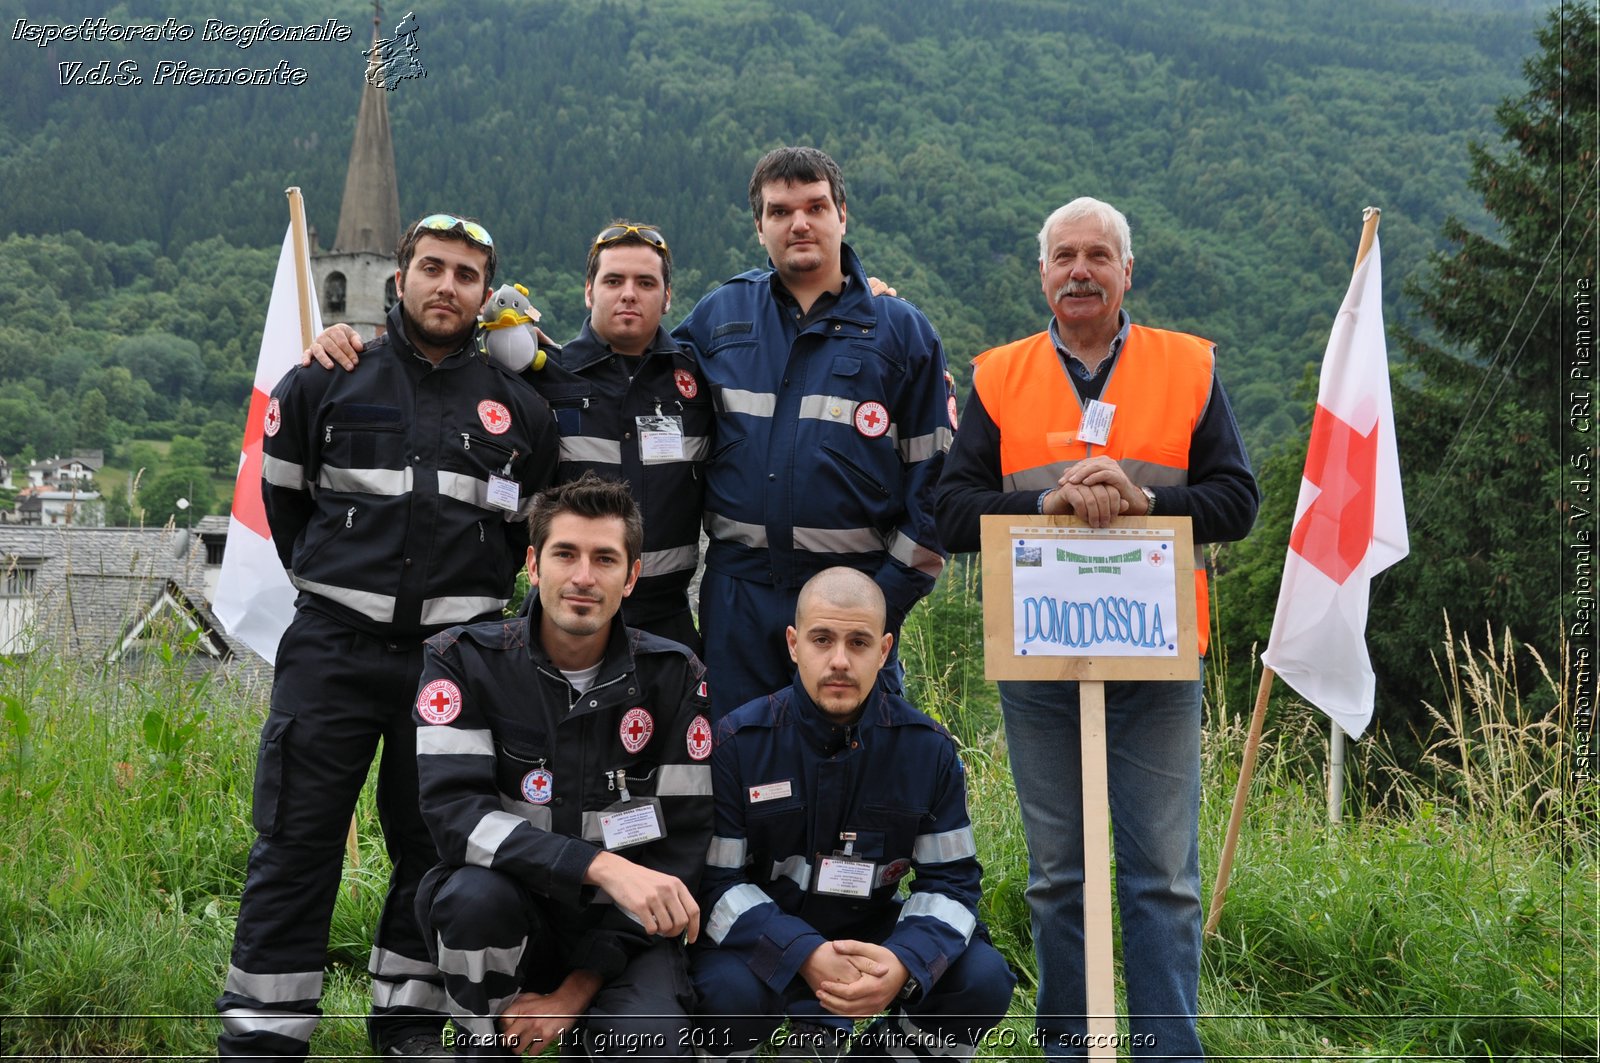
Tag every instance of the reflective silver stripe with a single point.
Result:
(684, 780)
(1143, 473)
(696, 448)
(838, 540)
(921, 448)
(943, 848)
(913, 554)
(754, 403)
(458, 610)
(677, 559)
(382, 963)
(929, 1042)
(538, 817)
(950, 912)
(796, 869)
(274, 988)
(729, 530)
(464, 488)
(366, 481)
(486, 837)
(592, 830)
(829, 408)
(591, 448)
(726, 852)
(479, 1026)
(379, 607)
(731, 906)
(280, 473)
(435, 741)
(243, 1021)
(475, 963)
(424, 996)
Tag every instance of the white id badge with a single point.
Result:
(845, 876)
(504, 494)
(660, 438)
(1096, 424)
(629, 823)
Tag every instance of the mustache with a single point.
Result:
(1080, 288)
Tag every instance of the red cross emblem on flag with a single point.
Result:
(495, 417)
(636, 729)
(1336, 529)
(699, 738)
(872, 420)
(274, 418)
(439, 702)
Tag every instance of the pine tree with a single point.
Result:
(1482, 402)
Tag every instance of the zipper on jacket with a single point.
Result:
(350, 517)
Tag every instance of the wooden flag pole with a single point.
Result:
(1241, 792)
(302, 264)
(1099, 980)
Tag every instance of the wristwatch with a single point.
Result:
(910, 989)
(1149, 501)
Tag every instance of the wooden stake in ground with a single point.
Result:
(1018, 543)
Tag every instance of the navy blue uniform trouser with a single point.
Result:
(494, 940)
(335, 694)
(738, 1010)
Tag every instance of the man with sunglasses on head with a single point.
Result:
(834, 412)
(629, 406)
(395, 494)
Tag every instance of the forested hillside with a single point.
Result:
(1243, 141)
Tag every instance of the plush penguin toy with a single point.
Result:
(509, 336)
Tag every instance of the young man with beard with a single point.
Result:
(829, 793)
(395, 495)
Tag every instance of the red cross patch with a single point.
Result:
(699, 738)
(872, 420)
(495, 417)
(439, 702)
(636, 729)
(951, 406)
(538, 785)
(895, 871)
(274, 418)
(688, 387)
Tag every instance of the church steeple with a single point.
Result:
(369, 216)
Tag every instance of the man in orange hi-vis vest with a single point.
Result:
(1098, 417)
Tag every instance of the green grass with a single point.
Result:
(1453, 914)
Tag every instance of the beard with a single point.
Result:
(418, 333)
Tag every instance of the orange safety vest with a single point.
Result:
(1160, 386)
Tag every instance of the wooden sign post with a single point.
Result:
(1064, 601)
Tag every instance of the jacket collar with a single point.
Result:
(618, 659)
(402, 343)
(587, 348)
(855, 302)
(824, 734)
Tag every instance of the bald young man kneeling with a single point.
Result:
(828, 794)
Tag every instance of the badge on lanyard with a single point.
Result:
(844, 874)
(1096, 424)
(630, 821)
(660, 437)
(504, 492)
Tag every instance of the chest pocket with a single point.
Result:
(568, 402)
(364, 436)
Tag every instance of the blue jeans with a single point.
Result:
(1153, 765)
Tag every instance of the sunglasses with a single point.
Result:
(612, 233)
(445, 223)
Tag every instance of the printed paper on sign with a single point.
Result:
(1084, 597)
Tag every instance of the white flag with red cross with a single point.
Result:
(1350, 523)
(255, 600)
